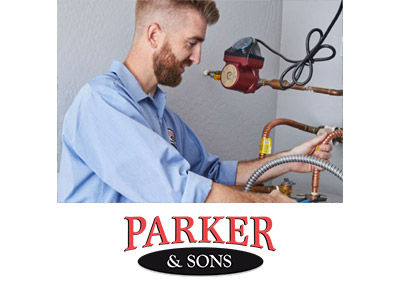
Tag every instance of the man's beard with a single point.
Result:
(167, 67)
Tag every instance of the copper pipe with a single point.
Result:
(315, 177)
(275, 84)
(315, 181)
(268, 127)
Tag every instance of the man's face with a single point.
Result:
(167, 67)
(180, 49)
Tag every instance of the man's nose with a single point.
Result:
(196, 55)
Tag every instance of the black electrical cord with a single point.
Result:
(298, 65)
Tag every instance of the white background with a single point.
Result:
(46, 243)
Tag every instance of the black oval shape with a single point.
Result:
(200, 261)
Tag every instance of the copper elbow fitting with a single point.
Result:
(268, 127)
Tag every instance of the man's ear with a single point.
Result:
(154, 35)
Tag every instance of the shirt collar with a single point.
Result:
(131, 84)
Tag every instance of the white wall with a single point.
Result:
(91, 33)
(298, 18)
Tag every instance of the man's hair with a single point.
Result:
(207, 8)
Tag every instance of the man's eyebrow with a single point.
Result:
(199, 39)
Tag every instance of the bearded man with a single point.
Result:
(120, 142)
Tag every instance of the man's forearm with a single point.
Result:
(224, 194)
(246, 168)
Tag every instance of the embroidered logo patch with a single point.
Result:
(172, 139)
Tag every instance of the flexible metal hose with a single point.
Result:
(293, 158)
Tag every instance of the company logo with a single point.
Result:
(243, 231)
(200, 261)
(172, 138)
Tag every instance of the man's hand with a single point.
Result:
(310, 148)
(277, 197)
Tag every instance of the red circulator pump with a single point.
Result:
(243, 62)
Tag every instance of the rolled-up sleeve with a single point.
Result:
(112, 139)
(197, 188)
(227, 172)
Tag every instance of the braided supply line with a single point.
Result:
(293, 158)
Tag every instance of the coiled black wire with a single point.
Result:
(298, 65)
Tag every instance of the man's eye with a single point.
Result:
(191, 44)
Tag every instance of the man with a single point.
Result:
(120, 142)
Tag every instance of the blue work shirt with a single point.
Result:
(122, 145)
